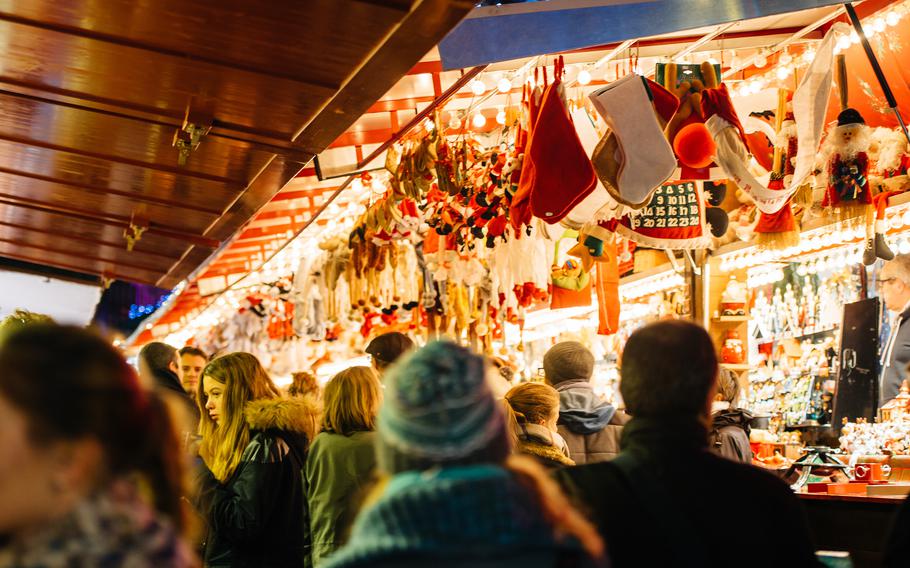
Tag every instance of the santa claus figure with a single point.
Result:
(848, 165)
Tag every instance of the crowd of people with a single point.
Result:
(422, 459)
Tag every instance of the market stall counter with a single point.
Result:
(859, 524)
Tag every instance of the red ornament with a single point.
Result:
(694, 146)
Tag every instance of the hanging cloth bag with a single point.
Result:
(563, 174)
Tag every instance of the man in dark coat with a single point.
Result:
(657, 503)
(590, 426)
(159, 370)
(894, 289)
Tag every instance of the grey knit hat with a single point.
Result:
(568, 361)
(438, 410)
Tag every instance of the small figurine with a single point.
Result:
(732, 351)
(733, 300)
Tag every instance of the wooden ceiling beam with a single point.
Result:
(93, 35)
(82, 255)
(103, 190)
(116, 221)
(175, 170)
(95, 242)
(83, 269)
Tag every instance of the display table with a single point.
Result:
(859, 524)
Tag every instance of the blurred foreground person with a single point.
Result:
(665, 481)
(89, 465)
(533, 409)
(254, 444)
(451, 494)
(342, 460)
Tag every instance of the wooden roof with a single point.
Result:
(91, 96)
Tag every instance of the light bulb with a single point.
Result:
(479, 120)
(377, 185)
(454, 122)
(785, 58)
(896, 221)
(783, 73)
(878, 25)
(854, 38)
(504, 85)
(761, 60)
(428, 125)
(584, 77)
(843, 43)
(477, 87)
(904, 247)
(809, 56)
(501, 117)
(892, 18)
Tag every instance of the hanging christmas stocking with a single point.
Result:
(779, 230)
(563, 174)
(635, 157)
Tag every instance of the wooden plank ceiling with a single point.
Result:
(91, 97)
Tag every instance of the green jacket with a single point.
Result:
(338, 470)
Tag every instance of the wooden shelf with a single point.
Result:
(731, 319)
(736, 366)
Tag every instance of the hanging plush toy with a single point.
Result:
(848, 166)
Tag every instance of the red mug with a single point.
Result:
(869, 472)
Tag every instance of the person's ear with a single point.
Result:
(174, 366)
(76, 465)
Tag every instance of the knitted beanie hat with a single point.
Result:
(438, 410)
(568, 361)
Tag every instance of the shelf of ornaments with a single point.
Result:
(801, 334)
(821, 233)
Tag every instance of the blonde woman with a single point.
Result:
(533, 409)
(254, 444)
(342, 458)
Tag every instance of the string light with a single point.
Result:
(501, 117)
(504, 85)
(761, 60)
(584, 77)
(478, 87)
(479, 120)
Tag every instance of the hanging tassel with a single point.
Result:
(779, 230)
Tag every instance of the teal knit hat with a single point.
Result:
(438, 410)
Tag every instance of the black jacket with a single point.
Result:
(666, 514)
(729, 435)
(259, 518)
(895, 360)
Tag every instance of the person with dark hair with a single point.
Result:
(590, 426)
(159, 366)
(729, 434)
(450, 495)
(159, 369)
(657, 503)
(89, 470)
(385, 349)
(254, 444)
(192, 361)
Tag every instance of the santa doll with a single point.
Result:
(848, 190)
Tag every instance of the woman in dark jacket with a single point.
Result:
(254, 445)
(729, 435)
(533, 409)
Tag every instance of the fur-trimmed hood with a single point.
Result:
(546, 453)
(298, 414)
